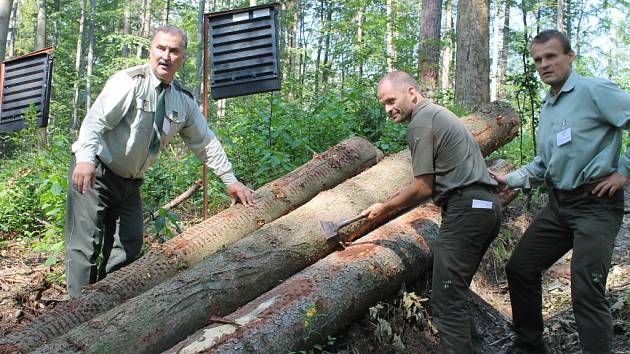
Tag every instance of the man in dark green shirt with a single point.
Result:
(447, 166)
(579, 143)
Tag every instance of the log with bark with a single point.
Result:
(219, 284)
(329, 295)
(272, 201)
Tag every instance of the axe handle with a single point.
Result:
(350, 221)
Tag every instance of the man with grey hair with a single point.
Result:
(439, 143)
(138, 112)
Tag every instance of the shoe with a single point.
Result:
(520, 349)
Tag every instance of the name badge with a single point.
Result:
(481, 204)
(166, 127)
(563, 137)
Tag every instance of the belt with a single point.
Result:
(115, 174)
(459, 190)
(585, 188)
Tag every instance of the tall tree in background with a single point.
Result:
(389, 37)
(90, 58)
(13, 28)
(146, 24)
(429, 49)
(447, 50)
(165, 11)
(505, 51)
(359, 39)
(560, 16)
(199, 55)
(126, 26)
(494, 83)
(40, 37)
(78, 65)
(471, 65)
(40, 43)
(5, 17)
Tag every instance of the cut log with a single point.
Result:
(272, 201)
(219, 284)
(329, 295)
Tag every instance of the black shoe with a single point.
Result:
(521, 349)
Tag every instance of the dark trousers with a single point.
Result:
(588, 224)
(464, 237)
(105, 218)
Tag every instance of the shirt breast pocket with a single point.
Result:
(143, 119)
(172, 124)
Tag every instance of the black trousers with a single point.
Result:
(105, 218)
(471, 218)
(574, 220)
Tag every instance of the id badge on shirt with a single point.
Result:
(563, 137)
(166, 127)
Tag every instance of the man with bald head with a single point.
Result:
(138, 112)
(449, 168)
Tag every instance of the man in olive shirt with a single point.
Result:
(579, 142)
(447, 166)
(138, 112)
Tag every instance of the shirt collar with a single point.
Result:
(567, 87)
(420, 105)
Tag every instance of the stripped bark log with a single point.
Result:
(329, 295)
(219, 284)
(272, 201)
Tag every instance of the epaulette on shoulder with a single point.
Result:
(179, 87)
(139, 70)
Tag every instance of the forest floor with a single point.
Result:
(400, 324)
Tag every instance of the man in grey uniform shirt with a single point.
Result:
(439, 143)
(138, 112)
(579, 142)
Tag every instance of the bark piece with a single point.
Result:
(219, 284)
(272, 200)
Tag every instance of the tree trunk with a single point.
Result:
(40, 43)
(389, 36)
(78, 64)
(494, 83)
(55, 35)
(447, 51)
(5, 18)
(429, 49)
(90, 57)
(126, 27)
(472, 71)
(505, 51)
(560, 16)
(13, 28)
(326, 67)
(146, 24)
(320, 39)
(40, 36)
(323, 299)
(165, 11)
(219, 284)
(199, 54)
(194, 244)
(359, 41)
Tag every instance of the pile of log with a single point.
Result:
(221, 282)
(272, 201)
(325, 297)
